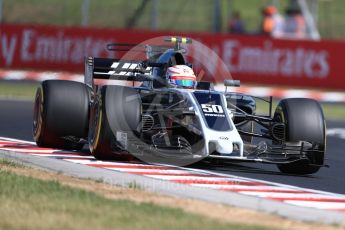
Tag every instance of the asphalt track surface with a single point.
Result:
(16, 122)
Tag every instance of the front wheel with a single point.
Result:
(304, 121)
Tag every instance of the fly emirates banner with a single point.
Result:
(251, 59)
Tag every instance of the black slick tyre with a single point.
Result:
(61, 114)
(304, 121)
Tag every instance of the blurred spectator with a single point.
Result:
(236, 24)
(272, 22)
(294, 26)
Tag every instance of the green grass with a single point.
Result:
(176, 15)
(27, 203)
(332, 111)
(11, 163)
(134, 185)
(14, 89)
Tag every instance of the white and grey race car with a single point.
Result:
(156, 122)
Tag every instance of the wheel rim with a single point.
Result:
(95, 127)
(38, 109)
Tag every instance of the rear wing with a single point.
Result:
(114, 69)
(130, 70)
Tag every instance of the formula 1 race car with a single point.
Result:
(159, 121)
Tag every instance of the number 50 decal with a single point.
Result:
(207, 108)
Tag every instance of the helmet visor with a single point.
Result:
(185, 83)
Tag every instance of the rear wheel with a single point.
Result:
(115, 115)
(304, 121)
(61, 114)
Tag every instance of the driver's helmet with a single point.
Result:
(181, 76)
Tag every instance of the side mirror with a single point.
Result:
(232, 83)
(204, 85)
